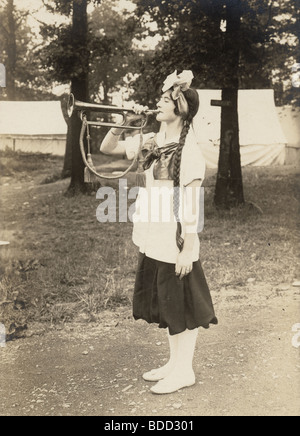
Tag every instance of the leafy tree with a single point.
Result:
(91, 52)
(8, 27)
(229, 186)
(112, 55)
(67, 56)
(246, 54)
(80, 89)
(24, 76)
(268, 41)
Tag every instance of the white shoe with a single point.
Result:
(156, 374)
(172, 384)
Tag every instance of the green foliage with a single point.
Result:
(112, 56)
(19, 54)
(58, 54)
(268, 42)
(63, 7)
(191, 39)
(108, 47)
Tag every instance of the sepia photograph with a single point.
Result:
(149, 210)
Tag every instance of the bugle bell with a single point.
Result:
(82, 107)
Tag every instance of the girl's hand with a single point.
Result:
(184, 264)
(135, 113)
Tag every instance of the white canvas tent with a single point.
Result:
(290, 121)
(33, 126)
(262, 139)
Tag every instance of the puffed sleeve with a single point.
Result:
(192, 164)
(132, 144)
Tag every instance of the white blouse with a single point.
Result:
(154, 224)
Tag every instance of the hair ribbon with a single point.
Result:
(180, 83)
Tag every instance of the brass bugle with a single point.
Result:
(80, 106)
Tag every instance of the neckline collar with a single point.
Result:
(161, 137)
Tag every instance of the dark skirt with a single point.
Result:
(161, 297)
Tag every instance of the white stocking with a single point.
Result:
(162, 372)
(173, 344)
(186, 350)
(182, 374)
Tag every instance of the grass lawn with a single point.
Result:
(63, 265)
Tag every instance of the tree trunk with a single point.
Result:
(11, 52)
(79, 87)
(67, 168)
(229, 185)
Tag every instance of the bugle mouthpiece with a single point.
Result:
(151, 111)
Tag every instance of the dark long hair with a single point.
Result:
(192, 98)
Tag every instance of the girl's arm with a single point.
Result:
(185, 259)
(110, 143)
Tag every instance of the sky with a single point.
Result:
(39, 13)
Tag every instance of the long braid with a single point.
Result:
(192, 98)
(176, 183)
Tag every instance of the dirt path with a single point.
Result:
(246, 365)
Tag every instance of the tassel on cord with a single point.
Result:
(89, 177)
